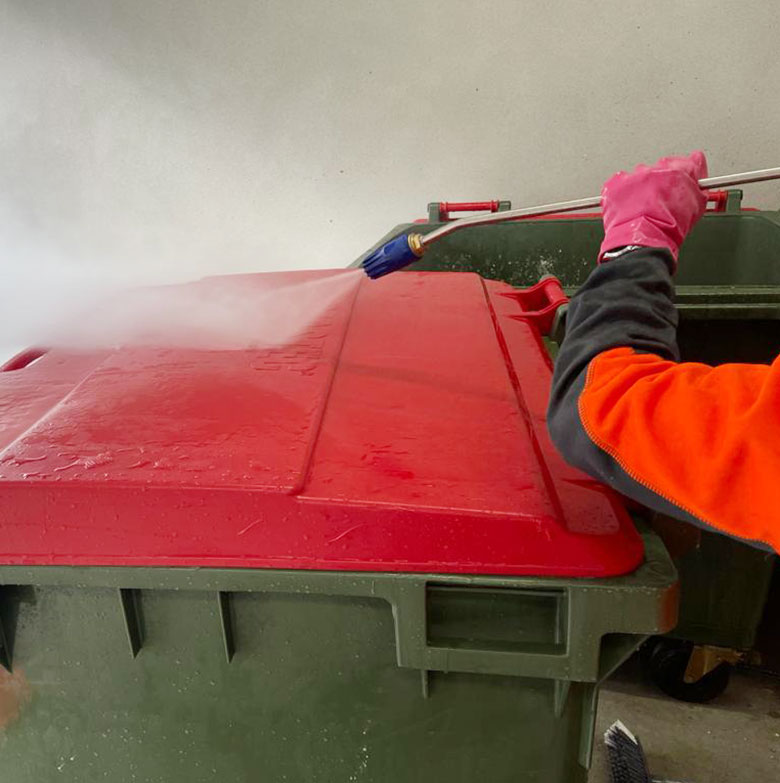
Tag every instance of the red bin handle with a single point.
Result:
(445, 207)
(539, 303)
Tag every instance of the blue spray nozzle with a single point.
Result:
(393, 255)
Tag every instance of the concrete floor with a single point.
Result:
(735, 739)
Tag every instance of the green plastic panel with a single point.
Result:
(725, 610)
(127, 674)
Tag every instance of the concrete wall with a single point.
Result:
(183, 137)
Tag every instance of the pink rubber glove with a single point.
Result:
(653, 206)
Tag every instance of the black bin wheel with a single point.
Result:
(664, 662)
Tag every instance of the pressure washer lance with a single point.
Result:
(405, 249)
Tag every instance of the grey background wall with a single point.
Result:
(176, 138)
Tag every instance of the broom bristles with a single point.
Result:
(627, 763)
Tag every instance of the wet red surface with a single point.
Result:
(403, 430)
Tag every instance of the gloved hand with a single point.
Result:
(653, 206)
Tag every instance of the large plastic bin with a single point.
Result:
(356, 556)
(728, 294)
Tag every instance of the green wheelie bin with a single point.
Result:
(349, 555)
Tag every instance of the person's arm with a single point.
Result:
(692, 441)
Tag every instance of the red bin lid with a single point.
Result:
(402, 431)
